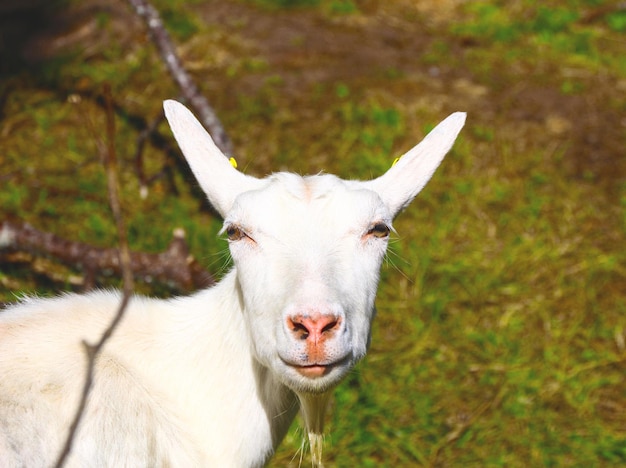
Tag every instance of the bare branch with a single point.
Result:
(174, 267)
(93, 351)
(114, 199)
(190, 91)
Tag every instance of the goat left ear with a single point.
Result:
(404, 180)
(218, 178)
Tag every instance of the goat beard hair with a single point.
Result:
(313, 407)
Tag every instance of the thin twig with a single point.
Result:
(92, 351)
(114, 200)
(141, 143)
(190, 90)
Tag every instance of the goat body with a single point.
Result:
(214, 379)
(175, 385)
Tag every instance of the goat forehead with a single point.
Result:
(324, 200)
(285, 185)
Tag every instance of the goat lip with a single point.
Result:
(316, 370)
(313, 371)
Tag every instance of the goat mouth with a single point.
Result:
(316, 370)
(313, 371)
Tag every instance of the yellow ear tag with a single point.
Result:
(395, 161)
(233, 162)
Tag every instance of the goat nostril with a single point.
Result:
(315, 327)
(330, 326)
(301, 331)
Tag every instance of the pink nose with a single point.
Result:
(313, 328)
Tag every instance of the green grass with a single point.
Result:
(500, 336)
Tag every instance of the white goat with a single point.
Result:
(215, 379)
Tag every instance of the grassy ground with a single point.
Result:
(500, 339)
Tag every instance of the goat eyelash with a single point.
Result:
(235, 233)
(380, 230)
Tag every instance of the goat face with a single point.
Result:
(307, 253)
(308, 250)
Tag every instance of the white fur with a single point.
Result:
(216, 378)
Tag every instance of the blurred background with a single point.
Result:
(500, 337)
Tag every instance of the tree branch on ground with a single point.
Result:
(174, 267)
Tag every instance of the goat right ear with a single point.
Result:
(404, 180)
(221, 182)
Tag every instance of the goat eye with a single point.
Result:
(235, 233)
(379, 230)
